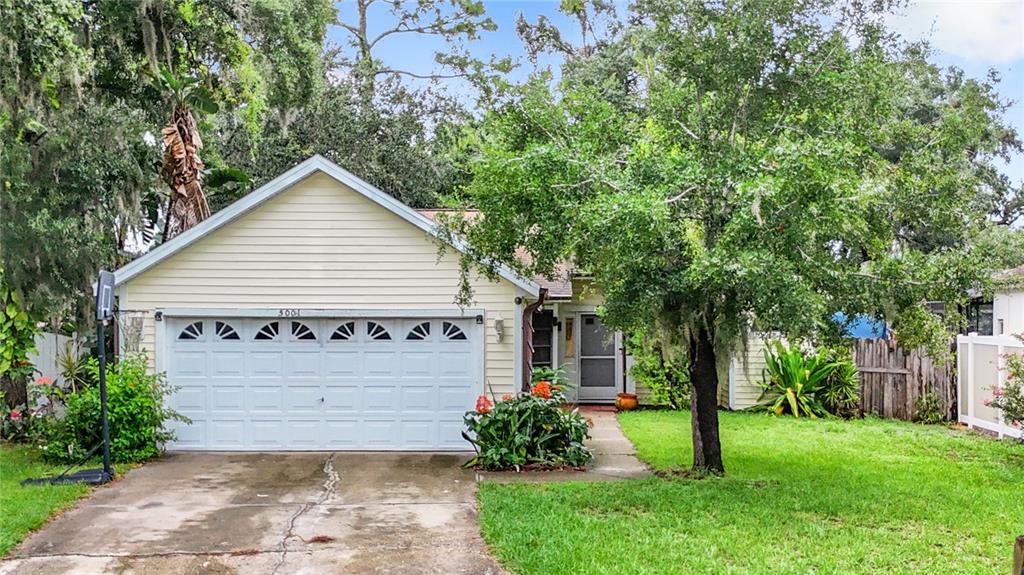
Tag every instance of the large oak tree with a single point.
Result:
(776, 161)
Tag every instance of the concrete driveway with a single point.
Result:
(277, 513)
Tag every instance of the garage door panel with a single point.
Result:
(450, 434)
(189, 398)
(421, 364)
(419, 434)
(227, 398)
(455, 363)
(377, 398)
(342, 433)
(189, 436)
(302, 398)
(267, 398)
(343, 364)
(303, 433)
(341, 398)
(419, 398)
(266, 364)
(341, 383)
(227, 363)
(381, 433)
(377, 364)
(303, 363)
(453, 399)
(188, 364)
(226, 433)
(267, 433)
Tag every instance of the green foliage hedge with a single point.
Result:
(666, 377)
(137, 410)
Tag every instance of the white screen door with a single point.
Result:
(598, 360)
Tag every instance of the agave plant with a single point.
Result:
(791, 380)
(840, 391)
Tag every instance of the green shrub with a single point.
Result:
(554, 376)
(667, 379)
(136, 401)
(928, 410)
(528, 429)
(792, 380)
(839, 393)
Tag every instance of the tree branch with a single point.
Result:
(420, 76)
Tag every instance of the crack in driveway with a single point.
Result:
(330, 484)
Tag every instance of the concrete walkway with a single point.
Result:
(280, 513)
(614, 456)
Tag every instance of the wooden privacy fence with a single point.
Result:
(893, 380)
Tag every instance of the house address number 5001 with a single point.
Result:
(287, 312)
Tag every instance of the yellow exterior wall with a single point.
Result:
(746, 364)
(321, 245)
(747, 369)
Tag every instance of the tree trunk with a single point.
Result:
(707, 449)
(15, 391)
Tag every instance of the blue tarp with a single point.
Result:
(863, 327)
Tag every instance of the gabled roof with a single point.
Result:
(559, 286)
(281, 183)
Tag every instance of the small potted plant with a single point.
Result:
(626, 401)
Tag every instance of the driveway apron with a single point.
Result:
(272, 513)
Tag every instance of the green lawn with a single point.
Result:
(23, 509)
(799, 497)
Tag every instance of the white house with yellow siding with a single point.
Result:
(318, 312)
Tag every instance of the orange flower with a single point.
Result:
(483, 404)
(542, 390)
(506, 397)
(44, 381)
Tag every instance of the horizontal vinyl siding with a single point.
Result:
(748, 366)
(320, 245)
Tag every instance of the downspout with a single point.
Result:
(528, 312)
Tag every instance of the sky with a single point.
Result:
(973, 35)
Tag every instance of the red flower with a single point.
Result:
(542, 390)
(15, 414)
(506, 397)
(483, 404)
(44, 381)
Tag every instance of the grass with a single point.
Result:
(799, 496)
(23, 509)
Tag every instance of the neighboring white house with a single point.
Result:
(980, 356)
(318, 312)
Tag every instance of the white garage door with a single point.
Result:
(332, 384)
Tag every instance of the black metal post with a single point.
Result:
(101, 343)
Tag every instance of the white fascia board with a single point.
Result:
(286, 180)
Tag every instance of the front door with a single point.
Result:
(598, 361)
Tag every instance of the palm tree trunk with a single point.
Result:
(183, 172)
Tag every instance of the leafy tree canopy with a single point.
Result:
(80, 102)
(777, 161)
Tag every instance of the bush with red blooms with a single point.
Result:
(484, 405)
(527, 430)
(541, 389)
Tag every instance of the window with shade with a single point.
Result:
(543, 332)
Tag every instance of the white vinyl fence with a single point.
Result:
(980, 368)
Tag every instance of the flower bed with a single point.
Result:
(535, 430)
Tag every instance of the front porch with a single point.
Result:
(569, 335)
